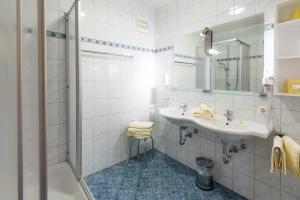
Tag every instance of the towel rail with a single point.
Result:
(107, 53)
(185, 63)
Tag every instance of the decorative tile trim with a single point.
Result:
(238, 58)
(184, 56)
(58, 35)
(168, 48)
(53, 34)
(116, 45)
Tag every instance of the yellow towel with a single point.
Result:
(292, 151)
(203, 112)
(278, 158)
(137, 130)
(141, 125)
(138, 135)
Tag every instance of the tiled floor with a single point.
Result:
(165, 178)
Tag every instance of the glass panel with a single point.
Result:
(30, 100)
(72, 88)
(8, 105)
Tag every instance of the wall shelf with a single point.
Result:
(288, 57)
(286, 94)
(287, 47)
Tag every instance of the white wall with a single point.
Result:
(115, 90)
(248, 173)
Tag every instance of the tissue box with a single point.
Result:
(292, 86)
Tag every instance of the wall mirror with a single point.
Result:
(235, 62)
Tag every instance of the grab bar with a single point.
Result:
(107, 53)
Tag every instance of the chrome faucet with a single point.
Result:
(229, 115)
(184, 107)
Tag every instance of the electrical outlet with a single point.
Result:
(262, 110)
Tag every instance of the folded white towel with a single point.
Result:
(141, 125)
(278, 158)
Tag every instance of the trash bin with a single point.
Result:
(205, 171)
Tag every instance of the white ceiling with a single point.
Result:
(156, 3)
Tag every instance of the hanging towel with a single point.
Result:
(292, 151)
(278, 158)
(141, 125)
(203, 112)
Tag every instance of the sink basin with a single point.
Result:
(231, 130)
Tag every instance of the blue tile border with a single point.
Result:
(58, 35)
(53, 34)
(185, 56)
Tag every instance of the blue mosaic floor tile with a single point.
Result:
(164, 179)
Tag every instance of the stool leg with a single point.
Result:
(130, 146)
(152, 146)
(145, 152)
(138, 148)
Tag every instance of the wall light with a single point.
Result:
(166, 79)
(236, 10)
(213, 52)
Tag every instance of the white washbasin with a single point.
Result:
(231, 130)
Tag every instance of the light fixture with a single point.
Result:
(235, 10)
(213, 52)
(202, 34)
(166, 79)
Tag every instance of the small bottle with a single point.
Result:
(296, 13)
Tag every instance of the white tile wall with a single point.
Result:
(248, 173)
(115, 90)
(56, 80)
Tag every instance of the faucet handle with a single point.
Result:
(184, 107)
(228, 112)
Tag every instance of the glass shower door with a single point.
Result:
(74, 88)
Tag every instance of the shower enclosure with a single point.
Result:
(23, 166)
(231, 65)
(73, 88)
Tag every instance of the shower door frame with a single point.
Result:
(78, 168)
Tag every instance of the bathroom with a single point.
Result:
(119, 99)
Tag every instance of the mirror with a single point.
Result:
(235, 62)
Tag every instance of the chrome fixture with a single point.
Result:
(188, 133)
(227, 154)
(206, 91)
(184, 107)
(107, 53)
(229, 115)
(207, 35)
(184, 63)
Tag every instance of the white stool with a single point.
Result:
(144, 138)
